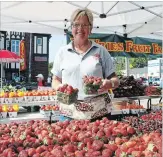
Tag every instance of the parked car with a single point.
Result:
(156, 81)
(145, 81)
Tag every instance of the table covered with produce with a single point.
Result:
(133, 130)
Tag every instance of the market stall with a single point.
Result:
(45, 137)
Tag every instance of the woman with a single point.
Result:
(83, 57)
(40, 80)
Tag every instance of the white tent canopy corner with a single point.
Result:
(137, 18)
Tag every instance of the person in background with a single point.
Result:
(83, 57)
(40, 80)
(49, 80)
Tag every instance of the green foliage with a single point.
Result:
(119, 63)
(50, 66)
(138, 62)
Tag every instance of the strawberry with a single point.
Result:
(39, 150)
(31, 151)
(97, 145)
(36, 155)
(106, 153)
(23, 153)
(130, 130)
(69, 148)
(118, 141)
(57, 153)
(96, 153)
(136, 153)
(79, 153)
(130, 144)
(19, 149)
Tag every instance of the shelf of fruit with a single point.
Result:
(25, 117)
(82, 138)
(146, 123)
(28, 98)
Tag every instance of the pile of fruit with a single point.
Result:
(132, 106)
(152, 90)
(92, 84)
(49, 107)
(26, 96)
(67, 94)
(11, 110)
(146, 123)
(102, 138)
(129, 87)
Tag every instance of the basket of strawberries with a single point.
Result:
(91, 84)
(66, 94)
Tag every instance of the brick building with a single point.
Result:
(37, 63)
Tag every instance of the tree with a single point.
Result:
(139, 62)
(50, 66)
(119, 63)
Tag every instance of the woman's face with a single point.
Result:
(81, 29)
(39, 78)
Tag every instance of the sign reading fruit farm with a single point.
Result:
(22, 55)
(120, 44)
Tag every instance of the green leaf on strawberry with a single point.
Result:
(22, 137)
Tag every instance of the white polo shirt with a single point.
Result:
(71, 66)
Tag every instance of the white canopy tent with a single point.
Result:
(131, 18)
(124, 17)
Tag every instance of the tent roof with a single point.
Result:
(134, 18)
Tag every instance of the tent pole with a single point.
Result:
(127, 66)
(1, 74)
(30, 54)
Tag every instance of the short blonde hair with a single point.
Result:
(82, 12)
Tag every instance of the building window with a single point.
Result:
(39, 41)
(15, 46)
(7, 45)
(1, 41)
(38, 45)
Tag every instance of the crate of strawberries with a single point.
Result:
(67, 94)
(92, 84)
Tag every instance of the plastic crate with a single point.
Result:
(12, 114)
(3, 114)
(67, 99)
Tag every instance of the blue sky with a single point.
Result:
(55, 43)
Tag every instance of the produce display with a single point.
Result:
(46, 110)
(132, 137)
(129, 87)
(11, 110)
(20, 96)
(82, 138)
(146, 123)
(91, 84)
(152, 90)
(155, 107)
(67, 94)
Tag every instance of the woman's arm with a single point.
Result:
(111, 82)
(114, 80)
(56, 82)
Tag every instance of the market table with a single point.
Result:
(116, 114)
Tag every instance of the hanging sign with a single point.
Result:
(23, 65)
(119, 44)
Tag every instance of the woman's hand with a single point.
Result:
(106, 85)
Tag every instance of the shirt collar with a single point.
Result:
(70, 47)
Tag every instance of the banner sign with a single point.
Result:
(23, 65)
(119, 44)
(41, 58)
